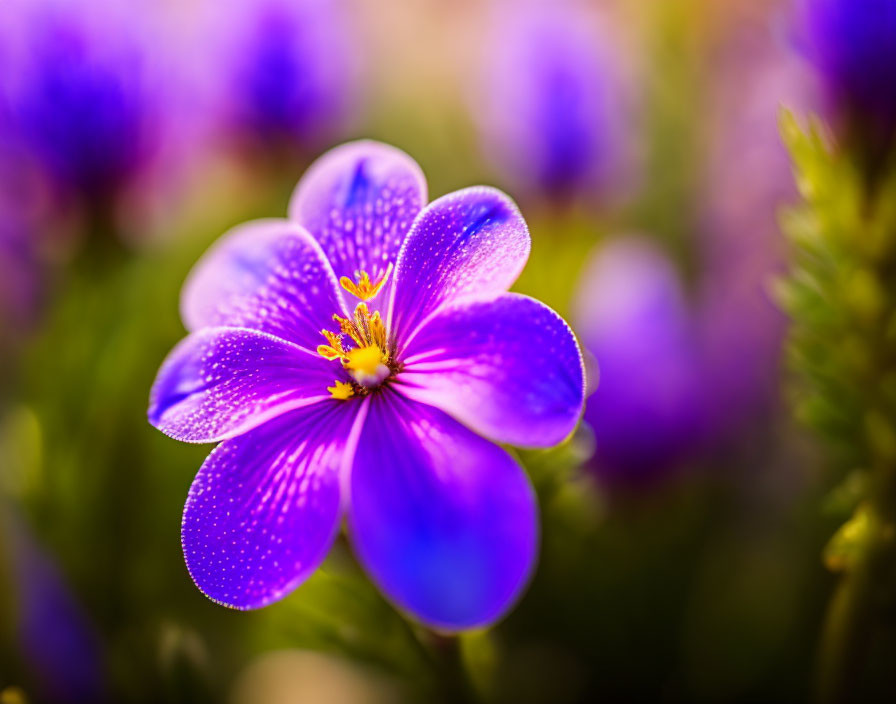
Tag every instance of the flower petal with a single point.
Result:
(220, 382)
(443, 520)
(470, 242)
(509, 368)
(264, 508)
(359, 200)
(267, 275)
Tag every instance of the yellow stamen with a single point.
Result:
(341, 390)
(334, 350)
(329, 353)
(366, 360)
(366, 357)
(364, 328)
(365, 289)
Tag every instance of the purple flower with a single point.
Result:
(853, 45)
(742, 330)
(549, 107)
(20, 276)
(280, 72)
(58, 642)
(648, 413)
(81, 90)
(386, 409)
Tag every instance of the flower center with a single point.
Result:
(370, 361)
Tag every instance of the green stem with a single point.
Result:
(457, 685)
(852, 616)
(442, 655)
(844, 636)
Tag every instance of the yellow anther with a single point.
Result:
(335, 340)
(365, 360)
(334, 350)
(329, 353)
(363, 328)
(347, 327)
(365, 289)
(341, 390)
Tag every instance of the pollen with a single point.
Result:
(365, 360)
(364, 288)
(341, 390)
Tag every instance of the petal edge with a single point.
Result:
(264, 508)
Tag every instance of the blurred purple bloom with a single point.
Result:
(82, 91)
(20, 275)
(742, 330)
(853, 45)
(391, 415)
(550, 106)
(56, 639)
(281, 72)
(649, 410)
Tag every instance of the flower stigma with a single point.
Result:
(370, 362)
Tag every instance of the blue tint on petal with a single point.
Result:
(470, 243)
(360, 190)
(358, 201)
(443, 520)
(183, 377)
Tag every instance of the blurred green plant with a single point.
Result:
(841, 295)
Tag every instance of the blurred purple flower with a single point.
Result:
(550, 107)
(22, 273)
(20, 276)
(57, 640)
(82, 90)
(742, 330)
(383, 421)
(649, 410)
(281, 72)
(853, 45)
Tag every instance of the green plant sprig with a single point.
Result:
(841, 297)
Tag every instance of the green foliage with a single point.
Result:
(841, 296)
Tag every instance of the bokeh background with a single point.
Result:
(683, 525)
